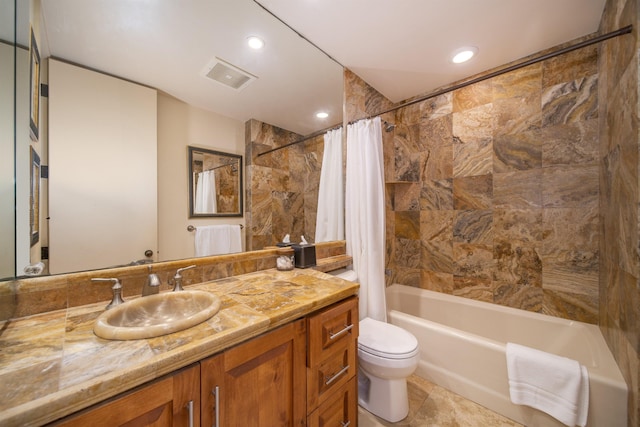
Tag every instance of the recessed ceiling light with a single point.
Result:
(464, 54)
(322, 115)
(255, 42)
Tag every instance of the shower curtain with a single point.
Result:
(364, 214)
(330, 216)
(206, 193)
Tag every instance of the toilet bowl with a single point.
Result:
(387, 355)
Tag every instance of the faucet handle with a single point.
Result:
(177, 279)
(180, 270)
(116, 288)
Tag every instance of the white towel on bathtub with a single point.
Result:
(553, 384)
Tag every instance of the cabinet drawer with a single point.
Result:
(331, 373)
(331, 327)
(339, 410)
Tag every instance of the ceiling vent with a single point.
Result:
(228, 75)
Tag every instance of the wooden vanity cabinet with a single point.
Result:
(303, 373)
(173, 400)
(257, 383)
(332, 365)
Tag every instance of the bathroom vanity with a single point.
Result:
(281, 351)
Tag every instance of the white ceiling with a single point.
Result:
(401, 47)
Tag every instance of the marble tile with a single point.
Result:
(437, 256)
(437, 163)
(568, 67)
(408, 225)
(520, 296)
(515, 115)
(570, 144)
(476, 124)
(519, 83)
(407, 166)
(436, 225)
(473, 192)
(436, 194)
(439, 106)
(407, 253)
(406, 197)
(520, 151)
(570, 306)
(473, 260)
(473, 226)
(570, 229)
(432, 405)
(473, 96)
(436, 132)
(570, 102)
(570, 186)
(517, 190)
(472, 158)
(517, 263)
(475, 288)
(524, 225)
(436, 281)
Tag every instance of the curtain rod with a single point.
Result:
(526, 63)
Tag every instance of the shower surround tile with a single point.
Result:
(502, 166)
(474, 192)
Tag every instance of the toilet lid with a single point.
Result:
(386, 340)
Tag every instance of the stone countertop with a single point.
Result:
(52, 364)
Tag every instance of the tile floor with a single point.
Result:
(433, 406)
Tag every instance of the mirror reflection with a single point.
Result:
(118, 39)
(215, 183)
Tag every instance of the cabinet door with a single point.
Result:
(162, 403)
(340, 409)
(260, 383)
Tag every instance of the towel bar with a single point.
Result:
(192, 228)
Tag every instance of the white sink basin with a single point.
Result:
(156, 315)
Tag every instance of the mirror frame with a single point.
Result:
(192, 213)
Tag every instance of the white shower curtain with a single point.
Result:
(330, 216)
(364, 214)
(206, 193)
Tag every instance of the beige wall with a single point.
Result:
(181, 125)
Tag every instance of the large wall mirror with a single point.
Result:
(291, 81)
(215, 183)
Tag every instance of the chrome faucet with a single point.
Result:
(177, 279)
(152, 285)
(116, 288)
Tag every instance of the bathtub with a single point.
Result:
(462, 348)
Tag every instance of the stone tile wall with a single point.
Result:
(620, 193)
(282, 187)
(493, 189)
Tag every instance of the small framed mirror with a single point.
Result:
(215, 183)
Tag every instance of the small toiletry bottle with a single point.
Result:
(285, 260)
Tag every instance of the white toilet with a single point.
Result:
(387, 355)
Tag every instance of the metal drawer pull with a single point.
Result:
(336, 376)
(337, 334)
(190, 408)
(347, 424)
(216, 393)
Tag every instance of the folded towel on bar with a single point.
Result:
(217, 240)
(553, 384)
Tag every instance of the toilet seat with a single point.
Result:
(386, 340)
